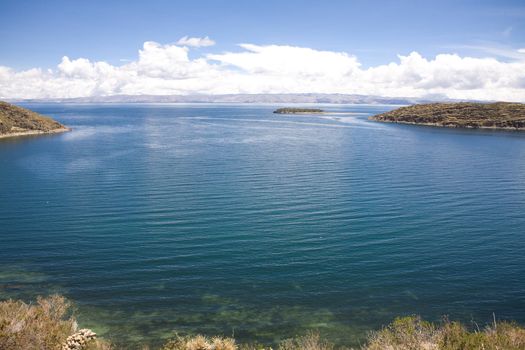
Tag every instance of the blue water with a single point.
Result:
(228, 219)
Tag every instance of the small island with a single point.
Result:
(499, 115)
(18, 121)
(290, 110)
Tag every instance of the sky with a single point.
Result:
(456, 49)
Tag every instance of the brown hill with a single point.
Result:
(499, 115)
(18, 121)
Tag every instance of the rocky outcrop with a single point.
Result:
(79, 340)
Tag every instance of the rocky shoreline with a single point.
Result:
(451, 126)
(33, 132)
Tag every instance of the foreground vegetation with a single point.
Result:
(500, 115)
(48, 324)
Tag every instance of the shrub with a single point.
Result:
(311, 341)
(200, 342)
(411, 333)
(507, 336)
(45, 325)
(407, 333)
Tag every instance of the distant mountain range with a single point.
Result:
(247, 98)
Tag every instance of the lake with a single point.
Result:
(229, 219)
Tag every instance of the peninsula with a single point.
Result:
(499, 115)
(290, 110)
(18, 121)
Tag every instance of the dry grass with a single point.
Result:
(200, 342)
(311, 341)
(407, 333)
(501, 336)
(411, 333)
(45, 325)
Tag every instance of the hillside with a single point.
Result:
(499, 115)
(18, 121)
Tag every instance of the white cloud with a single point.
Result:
(169, 69)
(494, 50)
(195, 42)
(287, 60)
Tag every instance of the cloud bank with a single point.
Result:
(169, 70)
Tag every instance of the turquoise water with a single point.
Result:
(226, 219)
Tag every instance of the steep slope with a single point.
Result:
(18, 121)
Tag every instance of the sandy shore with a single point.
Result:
(33, 132)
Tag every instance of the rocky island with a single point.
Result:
(499, 115)
(18, 121)
(289, 110)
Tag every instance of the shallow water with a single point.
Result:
(228, 219)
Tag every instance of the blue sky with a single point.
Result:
(458, 49)
(39, 33)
